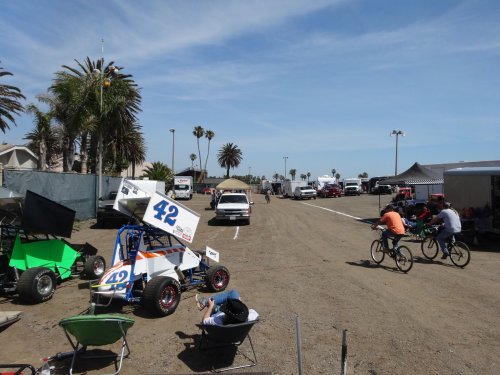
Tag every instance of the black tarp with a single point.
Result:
(417, 174)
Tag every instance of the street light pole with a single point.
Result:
(173, 150)
(284, 176)
(397, 133)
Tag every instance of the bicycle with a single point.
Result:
(400, 253)
(458, 250)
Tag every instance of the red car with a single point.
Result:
(330, 190)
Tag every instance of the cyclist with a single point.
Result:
(395, 228)
(451, 225)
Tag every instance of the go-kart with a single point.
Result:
(33, 260)
(151, 265)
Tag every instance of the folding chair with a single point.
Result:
(230, 335)
(97, 330)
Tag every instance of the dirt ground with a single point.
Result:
(308, 259)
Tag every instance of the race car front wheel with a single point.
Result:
(95, 265)
(162, 295)
(217, 278)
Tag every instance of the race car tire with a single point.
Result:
(161, 295)
(217, 278)
(36, 285)
(94, 267)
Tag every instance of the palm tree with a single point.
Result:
(333, 172)
(293, 172)
(193, 158)
(9, 104)
(209, 134)
(337, 176)
(363, 175)
(276, 176)
(42, 137)
(160, 172)
(198, 132)
(131, 148)
(303, 176)
(229, 156)
(77, 106)
(308, 175)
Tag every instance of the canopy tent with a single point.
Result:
(416, 175)
(232, 184)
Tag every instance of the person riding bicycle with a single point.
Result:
(451, 226)
(395, 228)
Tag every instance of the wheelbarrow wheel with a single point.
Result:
(94, 267)
(162, 295)
(36, 285)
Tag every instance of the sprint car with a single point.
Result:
(152, 267)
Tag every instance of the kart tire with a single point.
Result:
(217, 278)
(162, 295)
(36, 285)
(94, 267)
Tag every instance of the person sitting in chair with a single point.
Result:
(225, 308)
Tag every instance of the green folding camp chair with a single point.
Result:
(97, 330)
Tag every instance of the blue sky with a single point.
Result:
(322, 82)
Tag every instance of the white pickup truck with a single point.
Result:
(233, 206)
(304, 192)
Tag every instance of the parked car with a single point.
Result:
(304, 192)
(106, 214)
(382, 189)
(330, 190)
(233, 206)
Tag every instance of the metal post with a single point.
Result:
(299, 344)
(343, 369)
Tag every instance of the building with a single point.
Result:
(17, 157)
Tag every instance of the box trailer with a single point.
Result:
(290, 185)
(475, 193)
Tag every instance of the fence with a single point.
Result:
(73, 190)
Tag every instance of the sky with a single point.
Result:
(311, 85)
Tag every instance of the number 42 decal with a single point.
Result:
(161, 209)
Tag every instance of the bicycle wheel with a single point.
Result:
(430, 247)
(376, 251)
(403, 258)
(459, 254)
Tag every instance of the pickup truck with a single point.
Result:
(233, 206)
(304, 192)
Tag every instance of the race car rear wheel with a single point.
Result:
(36, 285)
(162, 295)
(94, 267)
(217, 278)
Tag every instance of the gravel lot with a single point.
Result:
(308, 259)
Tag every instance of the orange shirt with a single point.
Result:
(394, 222)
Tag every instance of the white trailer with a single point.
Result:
(290, 185)
(183, 187)
(475, 189)
(422, 192)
